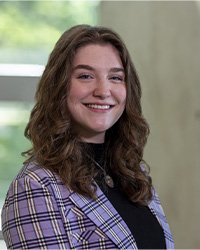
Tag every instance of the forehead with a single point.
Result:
(96, 54)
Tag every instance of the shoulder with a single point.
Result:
(35, 177)
(35, 171)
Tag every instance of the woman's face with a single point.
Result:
(97, 94)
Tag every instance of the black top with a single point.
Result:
(142, 223)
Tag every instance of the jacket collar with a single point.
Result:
(106, 218)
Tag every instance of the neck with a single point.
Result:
(97, 139)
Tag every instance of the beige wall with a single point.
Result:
(164, 41)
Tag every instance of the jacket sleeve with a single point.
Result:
(31, 217)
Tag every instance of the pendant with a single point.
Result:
(109, 181)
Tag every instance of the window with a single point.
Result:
(28, 32)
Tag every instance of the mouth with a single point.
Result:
(98, 106)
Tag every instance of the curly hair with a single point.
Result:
(57, 146)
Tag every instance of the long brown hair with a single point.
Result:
(57, 147)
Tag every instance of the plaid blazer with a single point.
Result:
(41, 213)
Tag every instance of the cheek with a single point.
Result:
(77, 92)
(72, 99)
(121, 95)
(73, 94)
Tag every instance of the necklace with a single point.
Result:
(108, 180)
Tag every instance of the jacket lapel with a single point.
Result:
(156, 209)
(107, 219)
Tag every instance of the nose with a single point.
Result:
(102, 89)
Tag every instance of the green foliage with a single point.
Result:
(33, 24)
(13, 119)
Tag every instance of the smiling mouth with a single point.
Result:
(95, 106)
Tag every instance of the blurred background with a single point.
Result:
(164, 41)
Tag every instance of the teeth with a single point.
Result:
(94, 106)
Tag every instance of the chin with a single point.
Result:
(100, 128)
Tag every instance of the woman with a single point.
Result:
(83, 186)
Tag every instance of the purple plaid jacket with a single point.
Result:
(41, 213)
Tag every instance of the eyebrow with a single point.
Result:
(85, 66)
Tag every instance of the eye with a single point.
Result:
(117, 78)
(84, 76)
